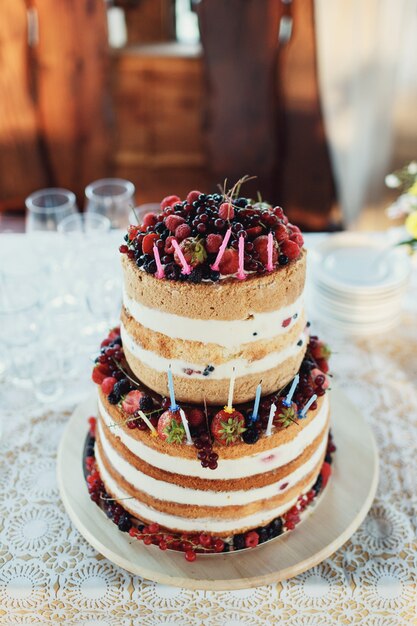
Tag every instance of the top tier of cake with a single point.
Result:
(208, 324)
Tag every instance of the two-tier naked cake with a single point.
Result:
(213, 419)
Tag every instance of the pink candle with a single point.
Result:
(222, 248)
(269, 265)
(241, 272)
(159, 268)
(186, 269)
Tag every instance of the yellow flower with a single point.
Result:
(413, 189)
(411, 224)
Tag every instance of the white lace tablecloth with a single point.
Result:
(50, 574)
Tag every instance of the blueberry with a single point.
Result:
(251, 435)
(283, 259)
(263, 534)
(217, 197)
(160, 228)
(239, 541)
(202, 197)
(172, 271)
(275, 527)
(125, 523)
(146, 403)
(150, 267)
(214, 276)
(140, 260)
(317, 484)
(196, 275)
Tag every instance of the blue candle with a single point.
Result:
(256, 404)
(173, 406)
(303, 413)
(287, 401)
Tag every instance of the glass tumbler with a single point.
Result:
(85, 223)
(46, 208)
(112, 197)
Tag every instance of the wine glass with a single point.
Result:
(47, 207)
(112, 197)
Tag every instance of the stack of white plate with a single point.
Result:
(359, 281)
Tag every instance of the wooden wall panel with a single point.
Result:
(148, 21)
(21, 168)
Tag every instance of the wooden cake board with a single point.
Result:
(335, 516)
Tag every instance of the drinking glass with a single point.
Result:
(84, 223)
(47, 207)
(113, 197)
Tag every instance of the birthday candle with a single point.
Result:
(222, 248)
(241, 273)
(229, 407)
(173, 406)
(269, 265)
(303, 413)
(256, 403)
(287, 401)
(272, 410)
(186, 269)
(159, 268)
(148, 423)
(186, 427)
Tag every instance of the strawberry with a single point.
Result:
(195, 417)
(97, 376)
(213, 243)
(193, 251)
(285, 416)
(192, 196)
(169, 201)
(281, 233)
(149, 219)
(182, 232)
(290, 249)
(229, 263)
(172, 221)
(131, 401)
(319, 349)
(325, 473)
(108, 384)
(261, 247)
(226, 211)
(227, 428)
(147, 243)
(170, 427)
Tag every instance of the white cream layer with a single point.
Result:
(264, 461)
(184, 495)
(242, 367)
(227, 333)
(142, 511)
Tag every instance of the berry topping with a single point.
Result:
(148, 243)
(169, 201)
(227, 428)
(229, 263)
(251, 539)
(325, 473)
(170, 427)
(192, 196)
(193, 250)
(213, 243)
(226, 211)
(319, 349)
(261, 246)
(290, 249)
(251, 435)
(131, 402)
(173, 221)
(149, 219)
(195, 418)
(285, 416)
(108, 384)
(97, 375)
(182, 232)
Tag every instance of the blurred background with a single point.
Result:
(316, 99)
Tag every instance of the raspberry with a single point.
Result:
(92, 422)
(290, 249)
(149, 219)
(97, 376)
(261, 246)
(190, 556)
(251, 539)
(173, 221)
(281, 233)
(148, 241)
(218, 545)
(213, 242)
(182, 232)
(169, 248)
(193, 196)
(132, 231)
(169, 201)
(108, 384)
(226, 211)
(229, 263)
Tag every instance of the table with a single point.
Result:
(49, 574)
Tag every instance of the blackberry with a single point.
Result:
(172, 271)
(274, 528)
(251, 435)
(150, 267)
(214, 276)
(125, 523)
(113, 397)
(283, 259)
(146, 403)
(122, 387)
(317, 485)
(239, 541)
(196, 275)
(328, 458)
